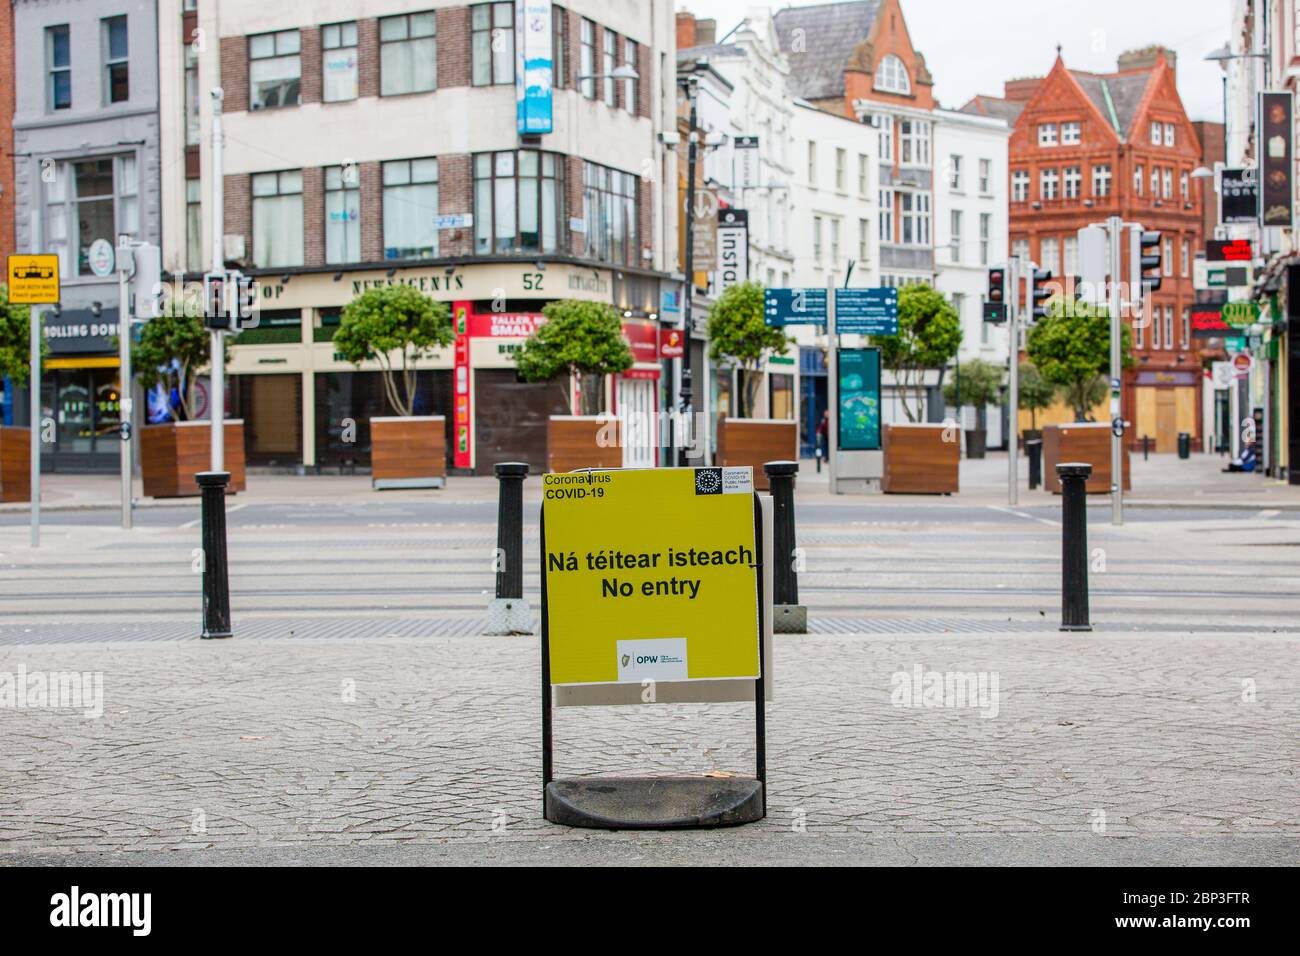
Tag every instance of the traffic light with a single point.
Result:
(1040, 292)
(995, 302)
(215, 313)
(1149, 259)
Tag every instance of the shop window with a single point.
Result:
(780, 396)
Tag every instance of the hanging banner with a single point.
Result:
(1238, 195)
(463, 454)
(705, 236)
(733, 248)
(533, 66)
(1276, 186)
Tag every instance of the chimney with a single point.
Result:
(1145, 58)
(686, 30)
(706, 32)
(1022, 90)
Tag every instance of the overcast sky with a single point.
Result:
(972, 47)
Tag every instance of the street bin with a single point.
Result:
(1034, 451)
(1184, 445)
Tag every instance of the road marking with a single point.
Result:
(1026, 515)
(195, 522)
(1269, 513)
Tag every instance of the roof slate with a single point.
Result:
(831, 32)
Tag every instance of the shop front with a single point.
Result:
(80, 394)
(1166, 403)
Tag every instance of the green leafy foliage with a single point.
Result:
(170, 350)
(578, 337)
(739, 335)
(1070, 346)
(980, 384)
(16, 339)
(929, 335)
(1034, 392)
(396, 326)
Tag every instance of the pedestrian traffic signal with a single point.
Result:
(1149, 259)
(1039, 293)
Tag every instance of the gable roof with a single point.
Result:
(831, 32)
(1006, 110)
(1117, 96)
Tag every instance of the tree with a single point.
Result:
(980, 384)
(396, 326)
(170, 351)
(578, 338)
(1035, 393)
(739, 334)
(1070, 346)
(16, 339)
(929, 334)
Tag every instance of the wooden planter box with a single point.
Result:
(15, 464)
(575, 441)
(1081, 441)
(171, 455)
(754, 442)
(918, 461)
(408, 452)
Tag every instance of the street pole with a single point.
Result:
(1013, 379)
(124, 402)
(688, 322)
(217, 386)
(833, 388)
(34, 396)
(1114, 227)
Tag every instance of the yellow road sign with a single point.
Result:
(651, 575)
(33, 279)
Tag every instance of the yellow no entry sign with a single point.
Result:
(651, 575)
(33, 279)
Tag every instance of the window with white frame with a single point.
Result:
(1139, 332)
(410, 208)
(1070, 256)
(1187, 327)
(1072, 179)
(1156, 134)
(841, 170)
(1167, 263)
(342, 214)
(1167, 183)
(492, 44)
(1155, 182)
(1101, 181)
(88, 200)
(1049, 255)
(986, 176)
(954, 173)
(954, 239)
(338, 61)
(274, 69)
(1048, 183)
(1183, 184)
(1070, 134)
(986, 227)
(1169, 134)
(1019, 248)
(1186, 260)
(192, 126)
(817, 239)
(886, 137)
(1155, 325)
(914, 213)
(117, 88)
(1169, 326)
(891, 76)
(812, 163)
(58, 67)
(914, 142)
(193, 225)
(1137, 179)
(1046, 134)
(864, 241)
(277, 219)
(835, 240)
(886, 215)
(864, 175)
(1020, 185)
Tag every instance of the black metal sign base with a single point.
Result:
(654, 803)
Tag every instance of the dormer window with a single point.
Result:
(1047, 134)
(891, 76)
(1069, 134)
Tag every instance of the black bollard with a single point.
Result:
(216, 580)
(1146, 447)
(509, 613)
(1074, 545)
(1034, 451)
(789, 616)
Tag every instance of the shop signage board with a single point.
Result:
(1240, 315)
(1238, 195)
(33, 279)
(1276, 175)
(1207, 322)
(1229, 250)
(733, 248)
(866, 311)
(794, 306)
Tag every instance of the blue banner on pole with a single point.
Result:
(794, 306)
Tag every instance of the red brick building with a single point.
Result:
(1091, 145)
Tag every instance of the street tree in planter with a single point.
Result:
(169, 353)
(739, 335)
(980, 384)
(1070, 346)
(396, 326)
(580, 341)
(929, 334)
(1035, 394)
(15, 364)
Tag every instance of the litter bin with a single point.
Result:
(1034, 451)
(1184, 445)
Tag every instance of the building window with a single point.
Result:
(87, 201)
(518, 202)
(1072, 178)
(1155, 326)
(1169, 134)
(1101, 181)
(1070, 256)
(277, 218)
(193, 226)
(609, 205)
(117, 87)
(559, 31)
(841, 169)
(864, 176)
(954, 241)
(891, 76)
(986, 227)
(58, 60)
(1137, 179)
(338, 61)
(812, 163)
(886, 139)
(1047, 134)
(493, 29)
(1182, 185)
(886, 215)
(1186, 260)
(587, 61)
(274, 69)
(1020, 185)
(410, 209)
(1155, 182)
(1070, 134)
(1020, 249)
(1049, 256)
(835, 242)
(1167, 183)
(1139, 332)
(1156, 138)
(1169, 326)
(864, 241)
(630, 86)
(914, 139)
(817, 239)
(192, 126)
(1187, 327)
(915, 217)
(408, 54)
(342, 214)
(1167, 265)
(1047, 183)
(986, 177)
(954, 173)
(608, 51)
